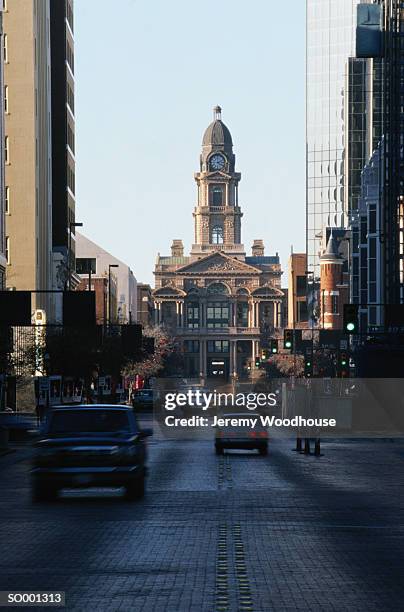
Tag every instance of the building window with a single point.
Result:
(193, 315)
(302, 312)
(242, 314)
(70, 96)
(69, 14)
(6, 106)
(70, 138)
(5, 48)
(7, 200)
(7, 249)
(301, 286)
(216, 197)
(85, 265)
(191, 346)
(7, 150)
(217, 315)
(217, 235)
(70, 56)
(334, 304)
(218, 346)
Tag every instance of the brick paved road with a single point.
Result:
(239, 532)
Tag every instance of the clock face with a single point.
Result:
(217, 162)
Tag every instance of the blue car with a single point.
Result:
(90, 446)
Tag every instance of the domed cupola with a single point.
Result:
(217, 139)
(217, 133)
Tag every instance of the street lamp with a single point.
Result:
(69, 266)
(109, 290)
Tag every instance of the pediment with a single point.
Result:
(218, 176)
(268, 291)
(218, 263)
(168, 291)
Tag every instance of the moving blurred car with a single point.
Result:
(84, 446)
(143, 399)
(19, 425)
(241, 436)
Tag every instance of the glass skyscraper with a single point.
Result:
(331, 29)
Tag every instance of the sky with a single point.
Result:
(148, 74)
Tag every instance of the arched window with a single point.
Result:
(216, 195)
(217, 234)
(218, 289)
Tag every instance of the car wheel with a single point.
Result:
(263, 450)
(135, 490)
(219, 449)
(43, 492)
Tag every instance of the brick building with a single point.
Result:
(334, 288)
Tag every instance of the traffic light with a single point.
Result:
(274, 347)
(288, 339)
(343, 365)
(257, 361)
(265, 355)
(351, 318)
(308, 366)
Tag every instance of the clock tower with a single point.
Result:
(217, 214)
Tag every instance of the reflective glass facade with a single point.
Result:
(331, 29)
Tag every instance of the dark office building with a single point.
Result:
(63, 134)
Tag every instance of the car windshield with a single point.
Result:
(89, 421)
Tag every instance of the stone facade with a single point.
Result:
(28, 145)
(219, 303)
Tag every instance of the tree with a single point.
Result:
(151, 365)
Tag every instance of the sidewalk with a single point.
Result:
(15, 452)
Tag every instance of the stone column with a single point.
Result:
(257, 314)
(181, 314)
(177, 312)
(253, 354)
(233, 358)
(250, 313)
(202, 314)
(234, 307)
(202, 358)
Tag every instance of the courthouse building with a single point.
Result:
(220, 303)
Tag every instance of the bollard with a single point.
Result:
(317, 448)
(307, 446)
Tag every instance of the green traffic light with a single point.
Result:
(274, 350)
(288, 344)
(350, 327)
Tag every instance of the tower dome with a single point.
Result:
(217, 133)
